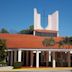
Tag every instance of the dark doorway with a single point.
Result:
(34, 59)
(23, 58)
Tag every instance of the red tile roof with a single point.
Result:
(27, 41)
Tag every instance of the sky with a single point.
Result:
(16, 15)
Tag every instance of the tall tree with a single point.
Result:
(3, 50)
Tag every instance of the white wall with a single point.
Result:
(37, 20)
(53, 21)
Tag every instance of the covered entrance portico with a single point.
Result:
(40, 57)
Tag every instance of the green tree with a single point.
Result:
(66, 41)
(27, 31)
(3, 30)
(31, 27)
(45, 42)
(51, 41)
(48, 42)
(3, 50)
(60, 43)
(70, 40)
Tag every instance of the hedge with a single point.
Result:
(17, 65)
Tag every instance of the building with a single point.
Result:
(30, 50)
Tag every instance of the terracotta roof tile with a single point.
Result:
(27, 41)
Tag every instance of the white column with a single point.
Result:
(34, 33)
(54, 63)
(19, 55)
(49, 56)
(70, 52)
(37, 59)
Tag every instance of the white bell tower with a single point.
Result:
(37, 20)
(53, 22)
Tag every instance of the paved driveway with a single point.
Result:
(41, 71)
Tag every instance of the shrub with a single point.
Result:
(50, 64)
(17, 64)
(3, 63)
(65, 64)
